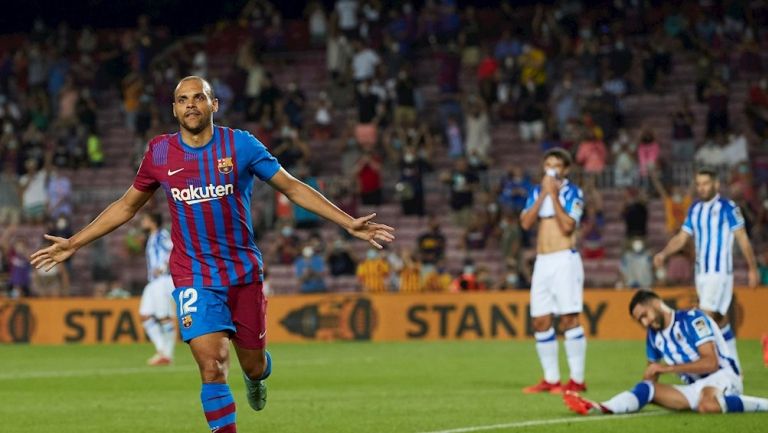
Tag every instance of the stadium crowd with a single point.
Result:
(561, 75)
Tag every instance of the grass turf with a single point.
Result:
(338, 387)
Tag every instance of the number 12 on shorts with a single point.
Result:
(187, 299)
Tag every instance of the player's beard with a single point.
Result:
(205, 122)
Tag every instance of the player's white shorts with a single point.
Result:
(715, 291)
(557, 285)
(157, 298)
(725, 380)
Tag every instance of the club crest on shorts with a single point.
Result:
(186, 321)
(225, 165)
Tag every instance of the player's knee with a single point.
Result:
(569, 321)
(709, 405)
(254, 369)
(213, 369)
(541, 324)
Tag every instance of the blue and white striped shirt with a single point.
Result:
(679, 342)
(570, 197)
(712, 224)
(158, 252)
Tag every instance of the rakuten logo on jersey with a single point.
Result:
(199, 194)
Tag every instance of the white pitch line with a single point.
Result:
(538, 422)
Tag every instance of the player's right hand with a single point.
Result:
(47, 258)
(658, 260)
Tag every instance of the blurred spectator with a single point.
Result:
(462, 182)
(59, 195)
(100, 261)
(478, 129)
(636, 265)
(368, 172)
(624, 166)
(593, 223)
(476, 234)
(449, 68)
(20, 269)
(756, 107)
(487, 77)
(454, 138)
(318, 23)
(431, 244)
(762, 264)
(565, 102)
(513, 189)
(410, 188)
(295, 102)
(303, 218)
(592, 154)
(373, 272)
(511, 279)
(635, 214)
(255, 74)
(531, 106)
(310, 270)
(683, 145)
(711, 153)
(224, 94)
(94, 149)
(286, 246)
(469, 39)
(347, 12)
(34, 196)
(676, 202)
(716, 96)
(436, 279)
(132, 88)
(369, 109)
(396, 265)
(648, 152)
(268, 102)
(292, 151)
(364, 61)
(323, 127)
(10, 199)
(338, 54)
(467, 281)
(405, 99)
(507, 46)
(410, 274)
(736, 148)
(340, 260)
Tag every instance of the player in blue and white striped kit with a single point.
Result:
(714, 222)
(690, 344)
(157, 305)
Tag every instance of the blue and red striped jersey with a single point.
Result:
(208, 190)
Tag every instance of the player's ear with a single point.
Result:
(215, 105)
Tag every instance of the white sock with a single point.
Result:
(631, 401)
(546, 346)
(576, 350)
(155, 333)
(169, 338)
(730, 340)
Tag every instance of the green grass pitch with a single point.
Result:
(339, 387)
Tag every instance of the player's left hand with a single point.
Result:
(653, 371)
(752, 279)
(363, 228)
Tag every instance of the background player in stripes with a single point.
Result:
(557, 285)
(206, 172)
(690, 344)
(156, 307)
(714, 222)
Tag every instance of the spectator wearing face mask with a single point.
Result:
(636, 265)
(373, 272)
(286, 246)
(467, 281)
(310, 270)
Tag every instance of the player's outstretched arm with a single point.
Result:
(115, 215)
(674, 245)
(749, 255)
(308, 198)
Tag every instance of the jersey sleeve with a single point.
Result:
(145, 180)
(261, 163)
(688, 223)
(734, 217)
(533, 194)
(651, 352)
(574, 204)
(698, 328)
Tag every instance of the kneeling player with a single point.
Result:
(691, 345)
